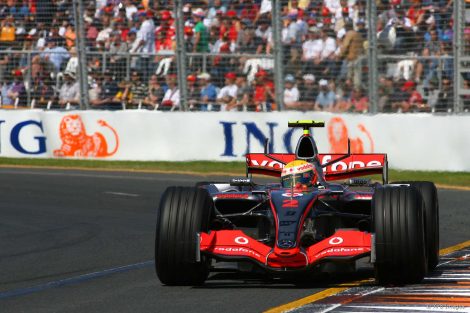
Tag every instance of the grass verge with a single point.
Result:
(207, 167)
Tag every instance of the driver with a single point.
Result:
(298, 174)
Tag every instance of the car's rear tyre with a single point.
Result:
(431, 217)
(399, 235)
(183, 212)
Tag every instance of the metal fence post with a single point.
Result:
(181, 54)
(457, 28)
(28, 78)
(278, 55)
(372, 60)
(81, 53)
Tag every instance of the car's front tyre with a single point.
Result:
(183, 212)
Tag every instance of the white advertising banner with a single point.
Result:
(412, 141)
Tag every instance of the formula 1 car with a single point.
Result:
(302, 229)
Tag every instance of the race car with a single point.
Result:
(317, 216)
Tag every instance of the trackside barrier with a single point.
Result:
(418, 141)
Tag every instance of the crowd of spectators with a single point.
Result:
(324, 45)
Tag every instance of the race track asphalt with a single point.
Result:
(82, 241)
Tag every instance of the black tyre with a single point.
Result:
(399, 235)
(183, 212)
(428, 193)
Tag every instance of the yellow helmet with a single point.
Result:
(297, 173)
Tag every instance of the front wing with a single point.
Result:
(235, 245)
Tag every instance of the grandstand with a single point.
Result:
(229, 49)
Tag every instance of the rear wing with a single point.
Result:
(347, 166)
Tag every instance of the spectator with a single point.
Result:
(7, 32)
(326, 98)
(312, 49)
(291, 93)
(201, 42)
(446, 97)
(136, 91)
(15, 92)
(105, 32)
(134, 48)
(359, 102)
(117, 60)
(308, 94)
(309, 91)
(72, 64)
(103, 95)
(327, 55)
(146, 39)
(244, 91)
(229, 92)
(69, 93)
(171, 99)
(263, 91)
(155, 92)
(5, 64)
(55, 54)
(208, 91)
(216, 8)
(193, 90)
(130, 8)
(246, 42)
(41, 91)
(290, 38)
(351, 50)
(264, 35)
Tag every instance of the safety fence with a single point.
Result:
(339, 56)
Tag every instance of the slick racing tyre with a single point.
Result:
(183, 212)
(399, 235)
(431, 217)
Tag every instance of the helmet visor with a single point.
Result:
(293, 180)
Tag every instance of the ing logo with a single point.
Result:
(77, 143)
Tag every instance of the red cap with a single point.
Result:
(231, 75)
(261, 73)
(231, 13)
(165, 15)
(188, 31)
(191, 78)
(18, 73)
(408, 85)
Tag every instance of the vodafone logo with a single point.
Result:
(292, 195)
(335, 241)
(241, 240)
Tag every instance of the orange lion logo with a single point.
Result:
(338, 135)
(76, 142)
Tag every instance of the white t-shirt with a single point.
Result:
(173, 95)
(147, 34)
(130, 10)
(291, 95)
(104, 34)
(266, 6)
(312, 48)
(230, 90)
(329, 47)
